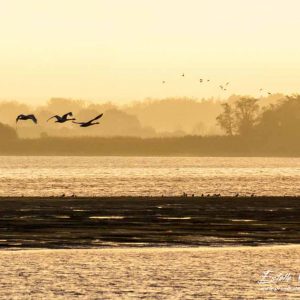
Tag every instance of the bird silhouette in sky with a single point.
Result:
(223, 88)
(89, 123)
(27, 117)
(63, 119)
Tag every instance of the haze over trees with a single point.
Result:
(240, 117)
(244, 117)
(274, 129)
(149, 118)
(7, 133)
(246, 127)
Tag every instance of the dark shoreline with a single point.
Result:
(188, 145)
(94, 222)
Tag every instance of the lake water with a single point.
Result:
(144, 176)
(156, 273)
(150, 273)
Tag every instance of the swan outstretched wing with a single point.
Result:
(56, 116)
(89, 122)
(18, 118)
(67, 114)
(26, 117)
(33, 118)
(98, 117)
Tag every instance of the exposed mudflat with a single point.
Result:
(148, 221)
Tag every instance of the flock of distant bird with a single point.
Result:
(223, 87)
(64, 118)
(185, 195)
(61, 119)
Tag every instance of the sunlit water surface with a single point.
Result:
(159, 273)
(144, 176)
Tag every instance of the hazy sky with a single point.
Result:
(123, 49)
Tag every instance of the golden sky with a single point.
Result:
(123, 49)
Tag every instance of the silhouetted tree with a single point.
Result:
(246, 113)
(281, 121)
(226, 119)
(239, 117)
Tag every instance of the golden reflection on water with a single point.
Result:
(149, 273)
(148, 176)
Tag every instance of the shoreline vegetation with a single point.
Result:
(99, 222)
(231, 146)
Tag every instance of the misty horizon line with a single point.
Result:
(244, 128)
(118, 101)
(126, 101)
(152, 117)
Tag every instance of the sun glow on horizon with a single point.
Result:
(123, 50)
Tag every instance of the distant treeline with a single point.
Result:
(149, 118)
(249, 130)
